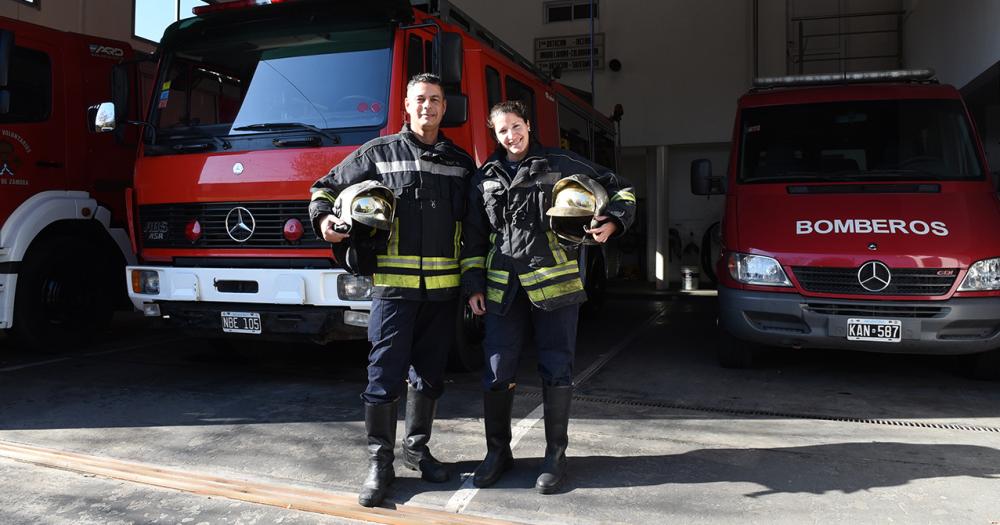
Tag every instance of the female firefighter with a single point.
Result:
(516, 272)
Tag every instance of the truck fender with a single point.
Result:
(48, 207)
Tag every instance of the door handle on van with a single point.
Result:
(49, 164)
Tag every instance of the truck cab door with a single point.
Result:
(32, 130)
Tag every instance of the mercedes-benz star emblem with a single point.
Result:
(240, 224)
(238, 168)
(874, 276)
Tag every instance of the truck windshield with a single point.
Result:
(858, 140)
(273, 81)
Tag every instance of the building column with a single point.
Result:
(658, 217)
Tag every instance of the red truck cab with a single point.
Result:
(859, 215)
(256, 100)
(63, 243)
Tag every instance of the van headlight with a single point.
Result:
(354, 287)
(982, 276)
(757, 269)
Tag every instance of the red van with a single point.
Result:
(859, 215)
(63, 242)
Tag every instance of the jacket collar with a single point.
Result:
(443, 143)
(531, 165)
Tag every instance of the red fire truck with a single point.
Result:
(255, 100)
(860, 215)
(64, 243)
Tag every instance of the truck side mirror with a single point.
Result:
(450, 63)
(6, 49)
(701, 177)
(102, 117)
(457, 112)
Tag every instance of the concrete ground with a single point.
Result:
(659, 432)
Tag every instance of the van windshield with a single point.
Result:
(296, 79)
(858, 141)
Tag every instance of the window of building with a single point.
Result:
(566, 10)
(33, 3)
(151, 17)
(30, 87)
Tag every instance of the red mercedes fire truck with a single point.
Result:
(255, 100)
(64, 242)
(860, 214)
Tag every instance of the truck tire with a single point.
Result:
(65, 293)
(467, 353)
(734, 353)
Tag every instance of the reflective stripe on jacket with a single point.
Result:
(507, 241)
(419, 259)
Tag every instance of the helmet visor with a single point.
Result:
(372, 210)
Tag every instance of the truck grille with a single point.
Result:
(876, 310)
(163, 225)
(905, 281)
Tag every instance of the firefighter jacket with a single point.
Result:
(418, 259)
(507, 241)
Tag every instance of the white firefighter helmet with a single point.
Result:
(576, 200)
(367, 203)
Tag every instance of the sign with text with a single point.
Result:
(569, 53)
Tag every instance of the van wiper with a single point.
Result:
(288, 126)
(190, 132)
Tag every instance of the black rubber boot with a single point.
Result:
(556, 400)
(497, 405)
(419, 419)
(380, 423)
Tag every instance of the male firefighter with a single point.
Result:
(416, 278)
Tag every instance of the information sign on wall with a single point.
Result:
(569, 53)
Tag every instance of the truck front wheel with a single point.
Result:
(64, 293)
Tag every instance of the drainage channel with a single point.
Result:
(770, 413)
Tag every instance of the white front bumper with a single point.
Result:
(274, 286)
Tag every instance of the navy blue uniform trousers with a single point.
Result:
(555, 340)
(410, 340)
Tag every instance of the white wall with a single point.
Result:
(104, 18)
(684, 63)
(958, 39)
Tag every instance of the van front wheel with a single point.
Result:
(734, 353)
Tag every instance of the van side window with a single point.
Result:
(30, 86)
(518, 91)
(493, 95)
